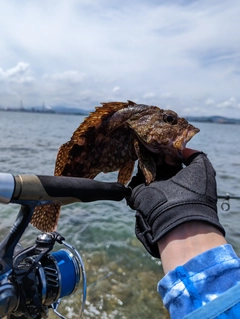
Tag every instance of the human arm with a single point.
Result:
(187, 241)
(198, 264)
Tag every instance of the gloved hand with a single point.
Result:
(165, 204)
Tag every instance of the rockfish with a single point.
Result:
(111, 139)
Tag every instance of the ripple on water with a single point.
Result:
(121, 276)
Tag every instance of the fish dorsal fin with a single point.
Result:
(96, 119)
(95, 129)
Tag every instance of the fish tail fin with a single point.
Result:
(45, 217)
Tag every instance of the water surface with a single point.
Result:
(121, 276)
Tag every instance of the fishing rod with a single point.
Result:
(225, 204)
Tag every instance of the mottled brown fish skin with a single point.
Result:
(98, 145)
(111, 139)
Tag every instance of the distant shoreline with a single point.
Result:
(213, 119)
(203, 119)
(44, 111)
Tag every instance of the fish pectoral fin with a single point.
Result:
(148, 167)
(45, 217)
(146, 162)
(125, 172)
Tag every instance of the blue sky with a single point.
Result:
(176, 54)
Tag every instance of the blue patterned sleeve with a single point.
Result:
(199, 281)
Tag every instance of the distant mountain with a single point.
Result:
(69, 110)
(213, 119)
(59, 109)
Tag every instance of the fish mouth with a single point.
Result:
(185, 137)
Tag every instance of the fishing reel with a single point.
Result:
(35, 279)
(39, 278)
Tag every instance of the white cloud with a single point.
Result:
(210, 102)
(232, 103)
(20, 73)
(149, 95)
(116, 89)
(82, 52)
(70, 77)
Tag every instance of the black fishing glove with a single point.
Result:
(187, 196)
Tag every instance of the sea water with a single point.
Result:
(121, 276)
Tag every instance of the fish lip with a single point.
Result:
(192, 132)
(178, 144)
(186, 136)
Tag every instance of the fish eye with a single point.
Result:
(169, 119)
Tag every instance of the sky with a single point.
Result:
(176, 54)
